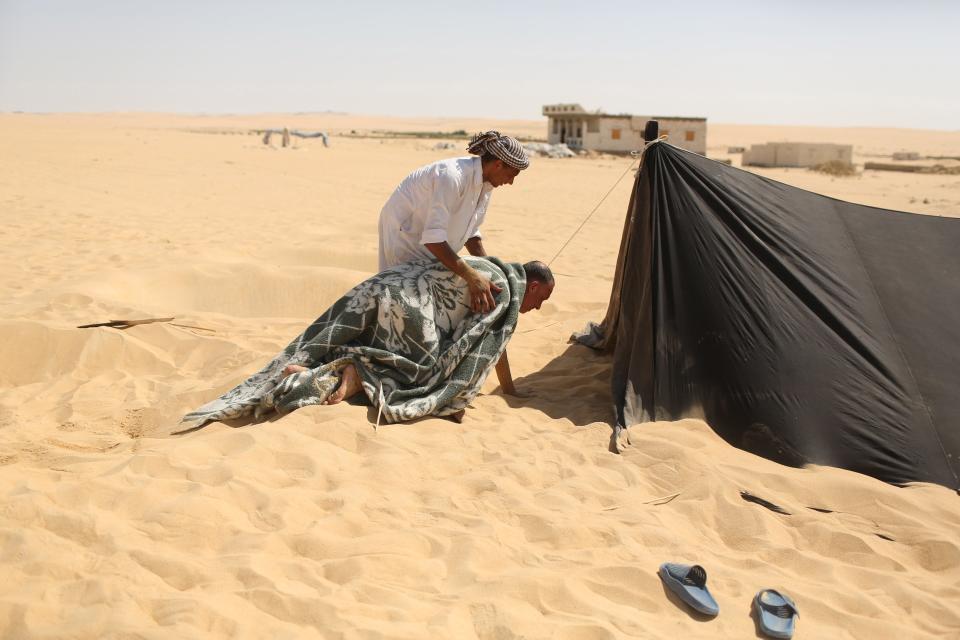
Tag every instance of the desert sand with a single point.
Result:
(517, 523)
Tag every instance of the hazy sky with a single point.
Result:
(842, 62)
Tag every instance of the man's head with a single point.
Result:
(539, 285)
(503, 157)
(497, 172)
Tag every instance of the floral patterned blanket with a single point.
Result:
(410, 333)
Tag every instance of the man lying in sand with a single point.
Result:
(407, 338)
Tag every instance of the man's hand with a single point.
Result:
(507, 387)
(482, 291)
(518, 393)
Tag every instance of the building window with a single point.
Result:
(593, 126)
(689, 136)
(615, 134)
(579, 132)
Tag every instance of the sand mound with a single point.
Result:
(238, 290)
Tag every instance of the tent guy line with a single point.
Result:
(590, 215)
(637, 157)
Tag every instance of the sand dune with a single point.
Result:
(516, 524)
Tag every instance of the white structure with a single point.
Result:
(796, 154)
(580, 129)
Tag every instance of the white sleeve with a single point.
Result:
(446, 189)
(475, 232)
(481, 216)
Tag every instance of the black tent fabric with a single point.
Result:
(800, 327)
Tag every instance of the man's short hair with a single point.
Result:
(538, 271)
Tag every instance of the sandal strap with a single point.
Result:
(696, 577)
(785, 611)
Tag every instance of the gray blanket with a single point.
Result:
(410, 333)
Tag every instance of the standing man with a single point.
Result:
(438, 209)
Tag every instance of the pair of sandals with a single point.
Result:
(776, 612)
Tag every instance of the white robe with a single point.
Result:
(443, 201)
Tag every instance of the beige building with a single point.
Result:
(572, 125)
(796, 154)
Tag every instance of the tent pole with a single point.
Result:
(651, 131)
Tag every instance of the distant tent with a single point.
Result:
(802, 328)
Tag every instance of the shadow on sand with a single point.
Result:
(575, 385)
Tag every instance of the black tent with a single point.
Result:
(800, 327)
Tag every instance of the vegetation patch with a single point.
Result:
(836, 168)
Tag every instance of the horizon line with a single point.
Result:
(331, 112)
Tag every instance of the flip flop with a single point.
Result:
(776, 613)
(690, 585)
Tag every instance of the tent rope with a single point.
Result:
(637, 157)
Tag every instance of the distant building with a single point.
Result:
(796, 154)
(619, 133)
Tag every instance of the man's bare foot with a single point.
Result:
(349, 385)
(291, 369)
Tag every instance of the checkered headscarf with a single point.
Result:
(504, 148)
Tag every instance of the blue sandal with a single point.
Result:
(690, 585)
(776, 613)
